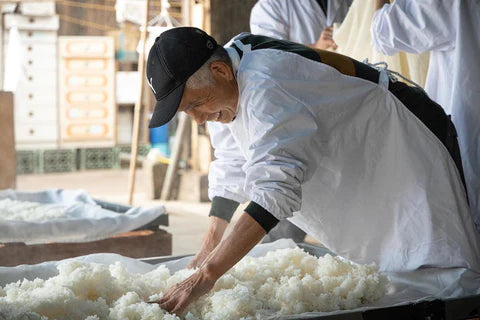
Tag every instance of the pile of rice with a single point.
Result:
(30, 211)
(286, 281)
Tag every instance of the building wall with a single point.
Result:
(229, 18)
(92, 18)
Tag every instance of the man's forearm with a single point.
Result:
(216, 229)
(244, 236)
(380, 3)
(220, 214)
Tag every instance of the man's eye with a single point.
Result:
(190, 107)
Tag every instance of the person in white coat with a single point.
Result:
(363, 164)
(449, 29)
(308, 22)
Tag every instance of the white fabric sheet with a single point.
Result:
(450, 30)
(84, 221)
(345, 161)
(413, 286)
(298, 21)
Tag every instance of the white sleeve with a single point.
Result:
(282, 154)
(414, 26)
(226, 177)
(270, 18)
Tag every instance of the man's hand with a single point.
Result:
(216, 229)
(244, 236)
(325, 40)
(183, 293)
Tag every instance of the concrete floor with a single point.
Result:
(188, 220)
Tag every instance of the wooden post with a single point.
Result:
(2, 51)
(194, 146)
(176, 150)
(138, 107)
(8, 165)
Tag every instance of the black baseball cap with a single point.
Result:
(176, 54)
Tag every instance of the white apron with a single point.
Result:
(345, 161)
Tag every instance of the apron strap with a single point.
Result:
(246, 48)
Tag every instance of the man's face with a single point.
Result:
(215, 103)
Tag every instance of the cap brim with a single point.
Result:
(166, 108)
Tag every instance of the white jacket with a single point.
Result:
(450, 30)
(345, 161)
(300, 21)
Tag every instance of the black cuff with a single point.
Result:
(264, 218)
(223, 208)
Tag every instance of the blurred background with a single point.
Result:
(70, 88)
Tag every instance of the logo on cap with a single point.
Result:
(150, 83)
(209, 44)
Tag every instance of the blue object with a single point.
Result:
(159, 139)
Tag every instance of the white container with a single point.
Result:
(32, 23)
(87, 91)
(35, 114)
(87, 47)
(35, 37)
(44, 132)
(43, 8)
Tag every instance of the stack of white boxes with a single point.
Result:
(36, 117)
(87, 91)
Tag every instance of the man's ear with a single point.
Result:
(222, 70)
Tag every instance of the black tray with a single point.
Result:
(161, 220)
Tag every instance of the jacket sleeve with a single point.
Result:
(282, 153)
(226, 177)
(414, 26)
(270, 18)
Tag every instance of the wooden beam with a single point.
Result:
(138, 107)
(173, 164)
(8, 165)
(194, 146)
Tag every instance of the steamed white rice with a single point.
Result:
(30, 211)
(286, 281)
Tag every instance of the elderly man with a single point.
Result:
(363, 164)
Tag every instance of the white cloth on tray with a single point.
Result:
(84, 220)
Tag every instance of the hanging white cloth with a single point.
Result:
(450, 30)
